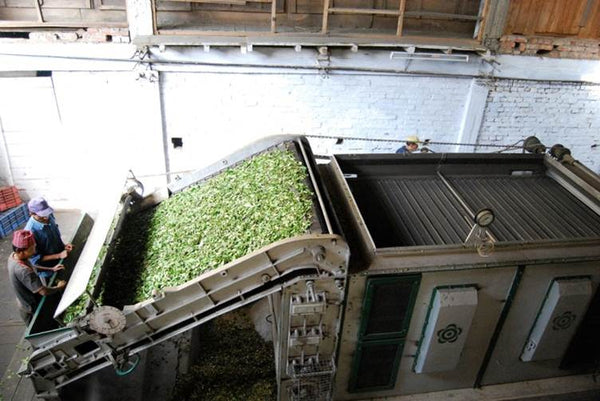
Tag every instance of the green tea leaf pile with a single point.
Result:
(260, 201)
(235, 364)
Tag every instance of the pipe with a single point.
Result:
(11, 178)
(563, 155)
(456, 195)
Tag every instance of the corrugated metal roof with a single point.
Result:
(421, 210)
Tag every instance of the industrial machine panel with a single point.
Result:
(564, 307)
(546, 310)
(446, 330)
(477, 300)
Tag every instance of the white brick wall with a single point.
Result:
(566, 113)
(222, 111)
(95, 126)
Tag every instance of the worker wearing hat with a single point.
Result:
(412, 144)
(50, 248)
(27, 285)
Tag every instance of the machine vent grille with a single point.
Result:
(421, 210)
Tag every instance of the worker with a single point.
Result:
(26, 283)
(412, 144)
(50, 248)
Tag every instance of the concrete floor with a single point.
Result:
(12, 346)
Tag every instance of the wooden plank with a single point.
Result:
(216, 20)
(273, 16)
(291, 7)
(227, 2)
(19, 14)
(554, 18)
(50, 3)
(586, 13)
(173, 6)
(178, 37)
(591, 29)
(441, 16)
(549, 17)
(527, 19)
(154, 17)
(38, 9)
(110, 4)
(519, 18)
(325, 16)
(363, 11)
(100, 16)
(59, 24)
(222, 1)
(401, 9)
(483, 21)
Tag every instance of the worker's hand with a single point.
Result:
(69, 247)
(63, 254)
(61, 284)
(57, 268)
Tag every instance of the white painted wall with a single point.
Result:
(224, 111)
(215, 113)
(74, 135)
(32, 135)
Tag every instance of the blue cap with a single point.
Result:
(40, 207)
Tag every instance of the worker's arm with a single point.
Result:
(43, 291)
(55, 256)
(53, 269)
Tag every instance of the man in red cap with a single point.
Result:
(26, 283)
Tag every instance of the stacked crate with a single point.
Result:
(13, 212)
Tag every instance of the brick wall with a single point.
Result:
(548, 46)
(230, 109)
(225, 110)
(88, 140)
(566, 113)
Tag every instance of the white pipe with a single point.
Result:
(11, 179)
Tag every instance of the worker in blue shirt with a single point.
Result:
(50, 248)
(412, 144)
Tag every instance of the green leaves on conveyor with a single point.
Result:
(262, 200)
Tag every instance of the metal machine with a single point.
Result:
(421, 273)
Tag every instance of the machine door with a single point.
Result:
(387, 307)
(418, 334)
(549, 306)
(452, 325)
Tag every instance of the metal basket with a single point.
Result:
(311, 381)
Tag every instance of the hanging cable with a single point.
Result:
(340, 139)
(513, 146)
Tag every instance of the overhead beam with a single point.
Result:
(495, 22)
(140, 16)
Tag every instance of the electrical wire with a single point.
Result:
(428, 142)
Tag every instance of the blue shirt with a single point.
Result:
(403, 150)
(47, 240)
